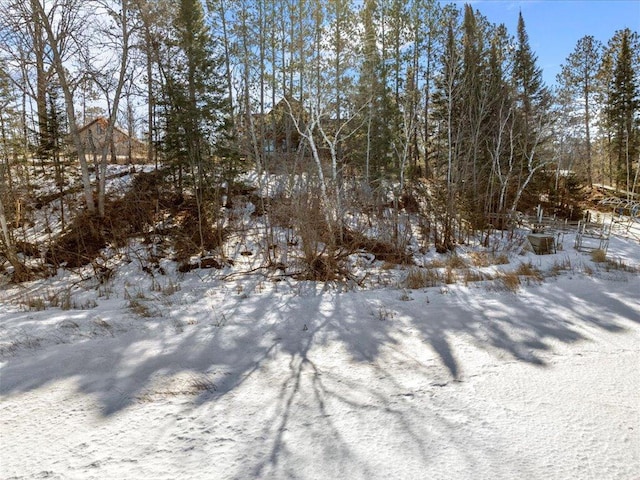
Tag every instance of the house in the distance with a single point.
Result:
(280, 132)
(124, 149)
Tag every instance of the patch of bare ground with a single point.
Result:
(136, 214)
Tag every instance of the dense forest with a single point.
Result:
(381, 109)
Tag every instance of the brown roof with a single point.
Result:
(103, 122)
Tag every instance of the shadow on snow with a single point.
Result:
(301, 342)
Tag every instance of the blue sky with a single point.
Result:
(555, 26)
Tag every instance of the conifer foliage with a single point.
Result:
(622, 106)
(579, 80)
(384, 107)
(195, 111)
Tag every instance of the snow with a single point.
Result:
(215, 374)
(256, 379)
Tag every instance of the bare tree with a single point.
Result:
(63, 22)
(20, 272)
(116, 35)
(6, 150)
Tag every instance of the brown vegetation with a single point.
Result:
(136, 214)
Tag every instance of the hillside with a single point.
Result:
(491, 363)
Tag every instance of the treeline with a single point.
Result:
(381, 100)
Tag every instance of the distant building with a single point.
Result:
(124, 149)
(280, 133)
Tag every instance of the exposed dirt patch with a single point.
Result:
(136, 214)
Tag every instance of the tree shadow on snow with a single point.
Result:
(299, 342)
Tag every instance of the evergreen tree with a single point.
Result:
(195, 106)
(476, 101)
(527, 75)
(578, 81)
(533, 102)
(373, 95)
(498, 118)
(622, 109)
(448, 105)
(196, 110)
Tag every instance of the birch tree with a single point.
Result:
(532, 119)
(116, 34)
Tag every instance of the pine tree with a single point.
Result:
(527, 75)
(476, 101)
(532, 111)
(499, 120)
(375, 143)
(622, 109)
(578, 80)
(196, 109)
(448, 105)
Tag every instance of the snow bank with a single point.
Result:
(255, 379)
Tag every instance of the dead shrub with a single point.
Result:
(599, 256)
(409, 202)
(621, 265)
(139, 308)
(470, 275)
(26, 248)
(193, 233)
(323, 255)
(133, 215)
(421, 278)
(455, 261)
(33, 303)
(317, 243)
(170, 288)
(450, 276)
(485, 259)
(528, 270)
(323, 268)
(480, 259)
(88, 234)
(384, 251)
(561, 266)
(82, 242)
(435, 263)
(190, 264)
(500, 259)
(510, 281)
(282, 212)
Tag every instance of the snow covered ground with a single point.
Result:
(195, 376)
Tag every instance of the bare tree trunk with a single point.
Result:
(41, 83)
(61, 71)
(20, 272)
(532, 167)
(151, 97)
(125, 32)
